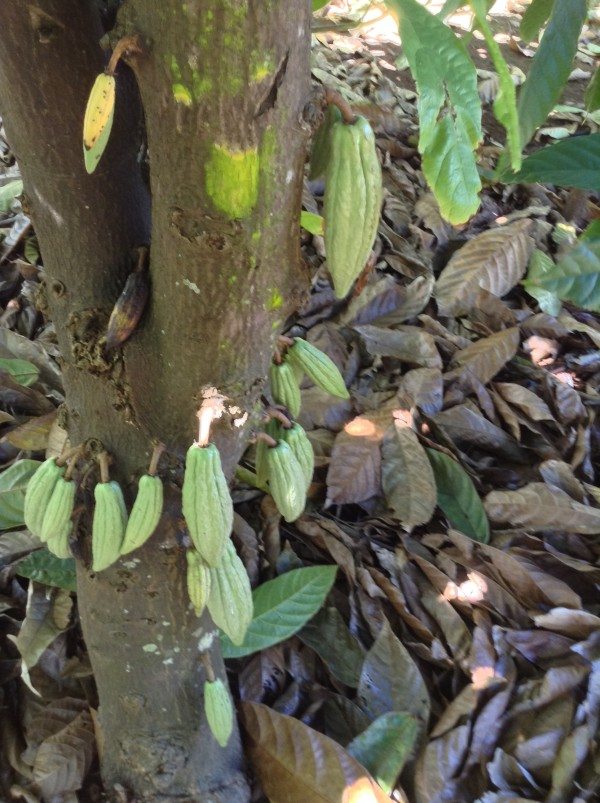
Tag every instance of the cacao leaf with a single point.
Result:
(536, 15)
(592, 93)
(32, 436)
(17, 544)
(408, 481)
(576, 277)
(439, 763)
(495, 261)
(22, 371)
(572, 162)
(541, 265)
(537, 507)
(281, 607)
(457, 497)
(385, 746)
(422, 388)
(47, 614)
(13, 484)
(44, 567)
(312, 223)
(525, 400)
(296, 763)
(8, 193)
(328, 635)
(343, 719)
(486, 357)
(468, 428)
(62, 761)
(406, 343)
(355, 469)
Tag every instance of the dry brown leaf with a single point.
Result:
(33, 434)
(355, 468)
(439, 763)
(422, 388)
(576, 624)
(525, 400)
(484, 358)
(408, 481)
(406, 343)
(495, 261)
(537, 507)
(63, 760)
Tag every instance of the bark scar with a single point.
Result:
(270, 99)
(44, 25)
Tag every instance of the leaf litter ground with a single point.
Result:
(458, 654)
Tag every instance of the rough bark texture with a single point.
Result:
(223, 83)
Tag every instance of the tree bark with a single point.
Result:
(223, 84)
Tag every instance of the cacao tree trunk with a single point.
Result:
(222, 85)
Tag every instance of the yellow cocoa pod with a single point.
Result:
(108, 525)
(287, 481)
(57, 519)
(207, 505)
(38, 494)
(98, 119)
(230, 599)
(198, 581)
(318, 367)
(218, 710)
(284, 387)
(145, 513)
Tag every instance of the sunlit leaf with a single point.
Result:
(572, 162)
(312, 223)
(536, 15)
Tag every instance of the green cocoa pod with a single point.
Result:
(297, 440)
(321, 147)
(218, 710)
(207, 505)
(230, 599)
(38, 494)
(59, 544)
(108, 525)
(287, 481)
(353, 193)
(198, 581)
(284, 387)
(145, 513)
(319, 367)
(59, 510)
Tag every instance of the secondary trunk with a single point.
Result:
(223, 83)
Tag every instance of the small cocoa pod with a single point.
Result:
(108, 525)
(284, 387)
(219, 710)
(98, 120)
(198, 581)
(321, 147)
(319, 367)
(145, 513)
(59, 544)
(59, 511)
(128, 310)
(207, 505)
(38, 494)
(230, 599)
(297, 440)
(287, 481)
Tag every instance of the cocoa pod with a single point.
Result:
(98, 119)
(298, 441)
(230, 599)
(108, 525)
(219, 710)
(284, 387)
(57, 519)
(353, 194)
(59, 544)
(145, 513)
(207, 505)
(318, 367)
(198, 581)
(38, 494)
(321, 147)
(128, 310)
(287, 482)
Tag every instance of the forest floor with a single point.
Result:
(458, 490)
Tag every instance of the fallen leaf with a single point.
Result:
(484, 358)
(408, 481)
(537, 507)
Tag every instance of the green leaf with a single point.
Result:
(23, 372)
(384, 747)
(318, 4)
(281, 607)
(312, 223)
(458, 498)
(328, 635)
(592, 93)
(539, 265)
(551, 66)
(535, 16)
(451, 171)
(13, 483)
(8, 193)
(575, 277)
(44, 567)
(505, 104)
(15, 545)
(572, 162)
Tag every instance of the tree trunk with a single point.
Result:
(223, 84)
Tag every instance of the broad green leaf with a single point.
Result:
(551, 65)
(572, 162)
(451, 171)
(540, 265)
(44, 567)
(505, 104)
(9, 192)
(328, 635)
(450, 6)
(22, 371)
(384, 747)
(281, 607)
(536, 15)
(318, 4)
(293, 762)
(457, 497)
(15, 545)
(592, 93)
(13, 483)
(312, 223)
(575, 277)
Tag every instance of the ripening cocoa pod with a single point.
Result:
(108, 525)
(207, 505)
(198, 581)
(353, 194)
(145, 513)
(230, 600)
(284, 387)
(319, 367)
(287, 482)
(128, 309)
(57, 519)
(38, 494)
(98, 119)
(219, 710)
(321, 147)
